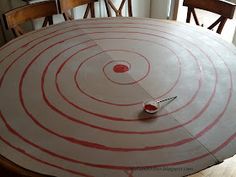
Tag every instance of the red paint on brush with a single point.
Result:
(150, 107)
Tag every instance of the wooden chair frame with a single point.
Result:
(14, 18)
(223, 8)
(10, 169)
(110, 5)
(66, 5)
(2, 31)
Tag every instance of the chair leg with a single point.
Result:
(47, 21)
(90, 7)
(87, 11)
(92, 10)
(50, 20)
(221, 25)
(195, 17)
(188, 15)
(122, 5)
(67, 16)
(17, 31)
(3, 34)
(130, 8)
(107, 8)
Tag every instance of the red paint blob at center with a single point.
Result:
(120, 68)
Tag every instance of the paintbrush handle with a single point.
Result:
(167, 99)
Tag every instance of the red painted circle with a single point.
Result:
(174, 163)
(98, 115)
(115, 131)
(59, 90)
(120, 68)
(121, 62)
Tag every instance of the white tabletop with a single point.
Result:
(72, 96)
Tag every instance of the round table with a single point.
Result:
(72, 99)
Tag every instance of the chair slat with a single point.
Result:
(118, 10)
(66, 5)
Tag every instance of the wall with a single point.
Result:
(160, 8)
(234, 40)
(141, 8)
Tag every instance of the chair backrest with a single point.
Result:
(66, 5)
(118, 11)
(2, 35)
(224, 8)
(14, 18)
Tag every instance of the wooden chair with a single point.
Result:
(223, 8)
(66, 5)
(10, 169)
(14, 18)
(2, 35)
(118, 11)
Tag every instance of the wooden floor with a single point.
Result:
(225, 169)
